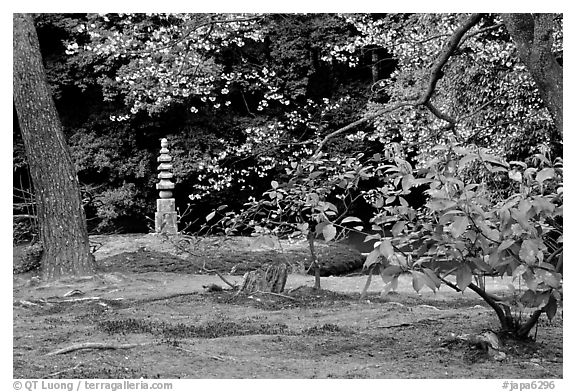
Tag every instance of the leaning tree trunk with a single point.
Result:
(61, 216)
(532, 34)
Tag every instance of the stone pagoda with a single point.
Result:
(166, 216)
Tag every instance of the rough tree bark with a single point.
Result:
(532, 34)
(61, 215)
(271, 278)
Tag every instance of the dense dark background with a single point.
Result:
(116, 161)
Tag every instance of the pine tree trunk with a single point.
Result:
(61, 215)
(532, 34)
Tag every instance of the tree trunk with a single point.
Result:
(375, 66)
(532, 34)
(270, 279)
(315, 264)
(61, 215)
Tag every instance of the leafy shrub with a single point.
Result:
(470, 231)
(30, 259)
(115, 205)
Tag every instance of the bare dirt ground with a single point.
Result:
(148, 314)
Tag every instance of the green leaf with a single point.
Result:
(386, 248)
(530, 280)
(506, 244)
(391, 270)
(210, 216)
(515, 175)
(441, 204)
(407, 182)
(530, 299)
(329, 232)
(545, 174)
(482, 265)
(459, 226)
(423, 279)
(371, 237)
(391, 286)
(461, 150)
(550, 278)
(529, 251)
(466, 159)
(551, 307)
(398, 227)
(518, 163)
(417, 280)
(351, 219)
(463, 276)
(541, 204)
(373, 257)
(274, 184)
(330, 206)
(433, 277)
(494, 160)
(519, 270)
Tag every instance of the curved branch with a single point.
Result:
(451, 46)
(358, 122)
(442, 116)
(435, 75)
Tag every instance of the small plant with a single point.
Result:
(300, 208)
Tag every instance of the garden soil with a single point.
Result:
(153, 311)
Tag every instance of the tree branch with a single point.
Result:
(452, 44)
(442, 116)
(482, 30)
(358, 122)
(211, 22)
(490, 300)
(435, 75)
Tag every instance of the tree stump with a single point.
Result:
(271, 278)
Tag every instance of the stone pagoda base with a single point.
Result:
(166, 216)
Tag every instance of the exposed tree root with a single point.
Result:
(63, 371)
(167, 296)
(276, 294)
(96, 346)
